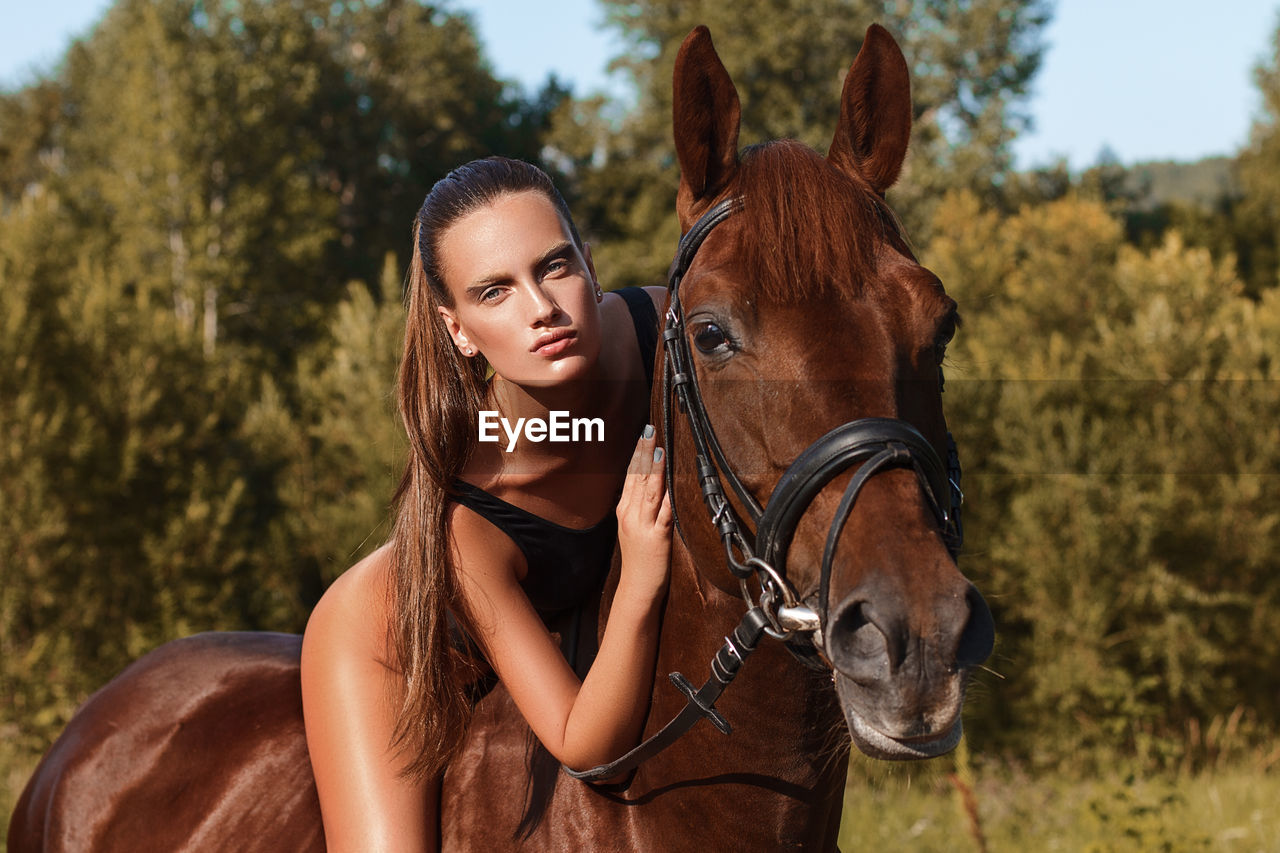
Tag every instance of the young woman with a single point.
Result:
(494, 538)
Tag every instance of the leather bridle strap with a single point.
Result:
(837, 451)
(700, 703)
(680, 381)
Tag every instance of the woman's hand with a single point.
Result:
(644, 521)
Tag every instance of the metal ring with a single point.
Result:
(779, 582)
(771, 581)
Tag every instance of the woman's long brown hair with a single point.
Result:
(440, 396)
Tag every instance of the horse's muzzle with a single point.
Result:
(900, 680)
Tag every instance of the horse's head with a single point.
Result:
(804, 310)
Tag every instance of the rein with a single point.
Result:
(879, 444)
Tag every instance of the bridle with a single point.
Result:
(879, 444)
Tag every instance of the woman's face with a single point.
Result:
(523, 294)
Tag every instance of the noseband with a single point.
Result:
(879, 444)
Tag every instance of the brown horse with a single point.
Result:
(809, 337)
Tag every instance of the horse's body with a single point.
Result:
(197, 746)
(807, 311)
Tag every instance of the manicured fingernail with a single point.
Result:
(657, 454)
(648, 430)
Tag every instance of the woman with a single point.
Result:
(493, 538)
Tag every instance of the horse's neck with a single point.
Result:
(788, 743)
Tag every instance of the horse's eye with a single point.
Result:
(710, 338)
(945, 334)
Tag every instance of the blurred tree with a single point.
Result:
(124, 514)
(1118, 415)
(29, 147)
(246, 160)
(971, 65)
(1256, 215)
(342, 445)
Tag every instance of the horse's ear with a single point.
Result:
(875, 113)
(705, 117)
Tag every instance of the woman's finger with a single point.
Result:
(634, 487)
(632, 480)
(655, 486)
(645, 448)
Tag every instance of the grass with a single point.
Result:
(923, 808)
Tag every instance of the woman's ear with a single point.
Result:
(454, 328)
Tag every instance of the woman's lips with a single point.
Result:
(555, 343)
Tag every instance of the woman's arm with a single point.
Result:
(588, 722)
(349, 705)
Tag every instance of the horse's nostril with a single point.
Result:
(857, 646)
(979, 635)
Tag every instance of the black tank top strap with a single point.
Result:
(645, 318)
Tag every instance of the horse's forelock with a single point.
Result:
(809, 228)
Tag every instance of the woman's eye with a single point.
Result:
(710, 338)
(490, 294)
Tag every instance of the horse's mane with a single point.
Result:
(807, 226)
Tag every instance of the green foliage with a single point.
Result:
(243, 161)
(342, 445)
(29, 124)
(971, 65)
(1124, 517)
(125, 517)
(1257, 209)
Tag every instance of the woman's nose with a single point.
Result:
(545, 307)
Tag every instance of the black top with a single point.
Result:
(565, 565)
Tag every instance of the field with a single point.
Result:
(928, 808)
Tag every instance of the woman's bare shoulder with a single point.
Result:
(352, 613)
(481, 548)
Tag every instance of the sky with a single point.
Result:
(1144, 79)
